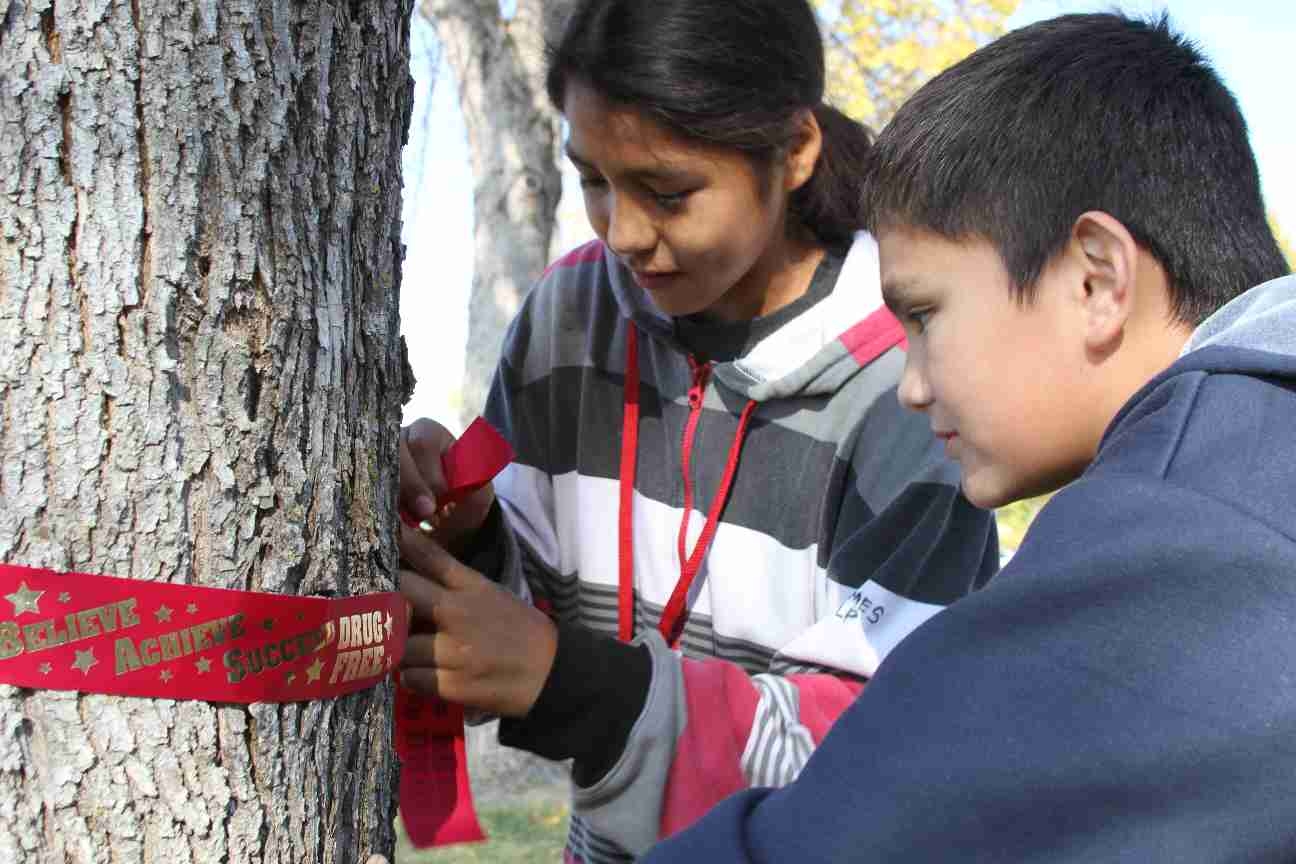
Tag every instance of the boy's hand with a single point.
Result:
(471, 641)
(421, 481)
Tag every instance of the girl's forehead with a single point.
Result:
(613, 136)
(597, 122)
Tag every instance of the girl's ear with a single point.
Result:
(803, 154)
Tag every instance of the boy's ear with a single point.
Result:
(1108, 257)
(803, 153)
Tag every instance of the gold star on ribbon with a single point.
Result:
(163, 613)
(192, 608)
(24, 600)
(204, 665)
(46, 668)
(267, 625)
(313, 671)
(65, 597)
(166, 675)
(84, 660)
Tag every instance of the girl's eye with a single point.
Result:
(591, 182)
(671, 201)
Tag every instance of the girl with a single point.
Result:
(716, 495)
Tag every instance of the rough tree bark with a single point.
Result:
(513, 143)
(200, 381)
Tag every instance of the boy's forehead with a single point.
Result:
(910, 260)
(913, 260)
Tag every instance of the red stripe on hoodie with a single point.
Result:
(708, 753)
(868, 339)
(591, 251)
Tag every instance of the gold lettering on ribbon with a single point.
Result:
(170, 644)
(126, 609)
(127, 657)
(11, 643)
(34, 635)
(357, 664)
(73, 627)
(148, 652)
(360, 631)
(175, 644)
(243, 663)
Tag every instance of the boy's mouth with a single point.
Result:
(945, 436)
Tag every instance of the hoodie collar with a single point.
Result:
(808, 355)
(1262, 319)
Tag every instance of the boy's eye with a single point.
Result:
(588, 182)
(918, 317)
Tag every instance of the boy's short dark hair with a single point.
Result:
(1078, 113)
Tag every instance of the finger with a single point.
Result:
(422, 680)
(438, 650)
(423, 442)
(430, 558)
(423, 594)
(416, 495)
(420, 551)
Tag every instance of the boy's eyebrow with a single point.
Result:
(896, 291)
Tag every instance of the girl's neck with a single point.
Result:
(781, 275)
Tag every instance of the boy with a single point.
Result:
(1062, 216)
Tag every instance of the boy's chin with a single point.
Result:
(989, 490)
(987, 499)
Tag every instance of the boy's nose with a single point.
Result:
(913, 391)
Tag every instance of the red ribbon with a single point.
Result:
(435, 797)
(128, 637)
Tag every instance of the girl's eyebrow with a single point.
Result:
(664, 174)
(581, 162)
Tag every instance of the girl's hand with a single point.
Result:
(421, 481)
(471, 641)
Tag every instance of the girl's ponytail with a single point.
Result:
(832, 201)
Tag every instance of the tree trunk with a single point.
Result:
(513, 145)
(200, 380)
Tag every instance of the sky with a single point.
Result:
(1247, 40)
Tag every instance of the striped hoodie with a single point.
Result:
(839, 529)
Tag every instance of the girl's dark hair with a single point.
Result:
(733, 73)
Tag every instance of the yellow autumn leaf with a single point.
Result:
(1284, 242)
(880, 51)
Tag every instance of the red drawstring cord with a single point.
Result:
(629, 447)
(675, 613)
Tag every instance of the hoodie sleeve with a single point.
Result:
(658, 739)
(1115, 695)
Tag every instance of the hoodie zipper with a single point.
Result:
(675, 614)
(697, 392)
